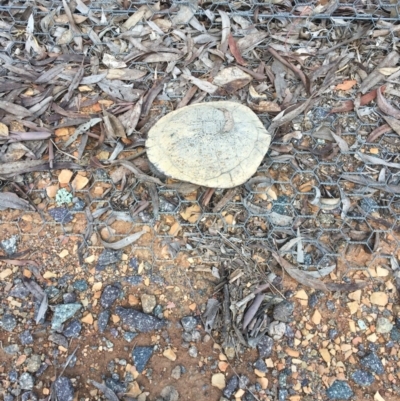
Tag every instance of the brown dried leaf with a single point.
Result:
(235, 51)
(346, 85)
(385, 106)
(127, 74)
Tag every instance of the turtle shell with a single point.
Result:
(214, 144)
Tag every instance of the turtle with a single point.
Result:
(217, 144)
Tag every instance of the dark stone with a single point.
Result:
(363, 378)
(61, 215)
(372, 363)
(79, 205)
(19, 291)
(397, 322)
(330, 305)
(26, 337)
(243, 381)
(134, 264)
(64, 389)
(73, 329)
(109, 296)
(59, 339)
(283, 311)
(116, 385)
(26, 381)
(29, 396)
(9, 397)
(102, 320)
(134, 280)
(260, 365)
(314, 298)
(52, 291)
(69, 298)
(11, 349)
(369, 205)
(138, 321)
(395, 334)
(8, 322)
(340, 390)
(265, 346)
(280, 205)
(282, 379)
(231, 386)
(62, 313)
(80, 285)
(13, 376)
(332, 334)
(155, 279)
(42, 369)
(189, 323)
(141, 356)
(108, 257)
(129, 336)
(10, 245)
(283, 394)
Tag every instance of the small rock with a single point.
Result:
(231, 387)
(33, 363)
(129, 336)
(141, 356)
(102, 320)
(372, 363)
(80, 285)
(176, 372)
(134, 280)
(10, 245)
(260, 365)
(29, 396)
(61, 215)
(13, 376)
(149, 302)
(108, 257)
(283, 311)
(135, 320)
(64, 389)
(170, 354)
(363, 378)
(339, 390)
(63, 313)
(277, 330)
(11, 349)
(332, 334)
(109, 296)
(395, 334)
(193, 351)
(265, 346)
(26, 381)
(379, 298)
(59, 339)
(73, 329)
(316, 317)
(169, 393)
(218, 380)
(8, 322)
(116, 385)
(88, 319)
(383, 325)
(189, 323)
(19, 291)
(69, 298)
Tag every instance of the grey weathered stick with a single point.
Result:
(251, 312)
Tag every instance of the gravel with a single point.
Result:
(135, 320)
(383, 325)
(265, 346)
(73, 329)
(283, 311)
(8, 322)
(372, 363)
(189, 323)
(169, 393)
(33, 363)
(176, 372)
(141, 356)
(62, 313)
(231, 386)
(102, 320)
(64, 389)
(193, 352)
(149, 302)
(339, 390)
(109, 296)
(26, 381)
(363, 378)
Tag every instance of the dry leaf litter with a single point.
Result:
(122, 283)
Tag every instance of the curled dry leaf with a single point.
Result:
(232, 79)
(123, 242)
(9, 200)
(385, 106)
